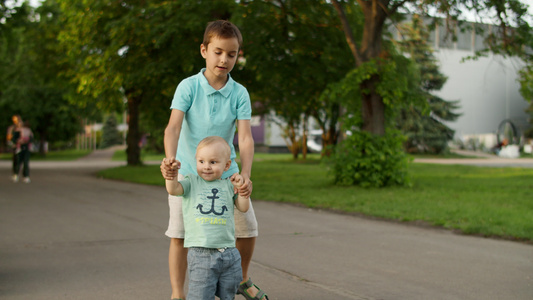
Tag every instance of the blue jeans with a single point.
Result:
(213, 273)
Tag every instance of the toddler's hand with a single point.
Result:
(237, 180)
(169, 168)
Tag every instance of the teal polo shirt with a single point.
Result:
(208, 112)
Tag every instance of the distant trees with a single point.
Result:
(30, 68)
(526, 89)
(293, 50)
(329, 60)
(110, 134)
(379, 93)
(424, 126)
(135, 52)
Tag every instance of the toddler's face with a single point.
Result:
(211, 162)
(220, 56)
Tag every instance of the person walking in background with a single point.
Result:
(11, 137)
(20, 137)
(206, 104)
(208, 205)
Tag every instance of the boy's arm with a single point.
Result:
(242, 203)
(246, 151)
(174, 188)
(169, 167)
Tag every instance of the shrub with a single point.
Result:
(370, 161)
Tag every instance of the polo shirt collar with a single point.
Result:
(225, 91)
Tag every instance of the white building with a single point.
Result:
(487, 88)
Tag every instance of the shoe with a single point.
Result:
(243, 290)
(27, 180)
(15, 178)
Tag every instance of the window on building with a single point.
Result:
(464, 37)
(481, 30)
(445, 37)
(430, 23)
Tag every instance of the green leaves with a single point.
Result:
(370, 161)
(420, 120)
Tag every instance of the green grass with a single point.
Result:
(63, 155)
(483, 201)
(526, 155)
(145, 156)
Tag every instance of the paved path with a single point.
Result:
(71, 235)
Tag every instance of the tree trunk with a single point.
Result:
(133, 150)
(291, 140)
(373, 108)
(304, 138)
(295, 149)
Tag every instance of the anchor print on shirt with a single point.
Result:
(212, 210)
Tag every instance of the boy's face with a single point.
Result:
(220, 57)
(211, 162)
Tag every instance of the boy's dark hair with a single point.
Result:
(221, 29)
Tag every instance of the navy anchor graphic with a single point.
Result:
(212, 210)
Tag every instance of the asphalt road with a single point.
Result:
(70, 235)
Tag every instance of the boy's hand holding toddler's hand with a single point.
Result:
(245, 187)
(169, 168)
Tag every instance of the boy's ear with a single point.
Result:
(203, 50)
(228, 164)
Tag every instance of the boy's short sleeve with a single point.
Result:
(244, 106)
(183, 96)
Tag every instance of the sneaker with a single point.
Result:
(15, 178)
(27, 180)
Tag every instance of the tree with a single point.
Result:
(293, 49)
(110, 134)
(425, 131)
(136, 51)
(372, 74)
(29, 72)
(508, 15)
(526, 89)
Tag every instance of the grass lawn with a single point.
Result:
(483, 201)
(145, 156)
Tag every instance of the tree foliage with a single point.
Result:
(424, 129)
(293, 51)
(29, 74)
(137, 52)
(110, 134)
(371, 48)
(526, 89)
(363, 158)
(508, 15)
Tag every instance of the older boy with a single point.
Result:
(210, 103)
